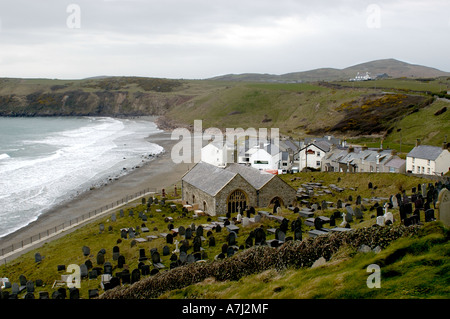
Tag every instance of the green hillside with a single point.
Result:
(397, 110)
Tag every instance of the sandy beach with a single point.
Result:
(158, 173)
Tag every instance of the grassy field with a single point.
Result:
(68, 249)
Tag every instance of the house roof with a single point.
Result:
(322, 145)
(211, 179)
(427, 152)
(395, 162)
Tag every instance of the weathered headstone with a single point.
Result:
(231, 238)
(135, 276)
(188, 233)
(100, 258)
(166, 251)
(358, 213)
(113, 217)
(120, 261)
(37, 257)
(443, 207)
(181, 230)
(212, 241)
(298, 233)
(260, 236)
(86, 250)
(83, 271)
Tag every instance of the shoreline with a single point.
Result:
(158, 173)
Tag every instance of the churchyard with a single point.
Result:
(154, 235)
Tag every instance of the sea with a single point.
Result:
(45, 161)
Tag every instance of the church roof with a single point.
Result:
(211, 179)
(208, 178)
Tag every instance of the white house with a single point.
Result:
(265, 158)
(312, 154)
(218, 154)
(428, 160)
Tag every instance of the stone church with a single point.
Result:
(219, 191)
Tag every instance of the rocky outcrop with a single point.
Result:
(83, 103)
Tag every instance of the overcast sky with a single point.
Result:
(204, 38)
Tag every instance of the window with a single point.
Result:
(428, 170)
(413, 160)
(413, 167)
(391, 170)
(317, 163)
(260, 162)
(423, 170)
(318, 153)
(428, 162)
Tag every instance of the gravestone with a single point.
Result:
(358, 213)
(199, 231)
(183, 257)
(443, 207)
(358, 200)
(249, 242)
(101, 227)
(318, 223)
(181, 230)
(142, 256)
(230, 251)
(190, 259)
(298, 233)
(83, 271)
(188, 234)
(349, 210)
(169, 239)
(135, 276)
(44, 295)
(15, 288)
(131, 233)
(86, 250)
(37, 257)
(370, 185)
(212, 241)
(380, 211)
(218, 229)
(348, 217)
(74, 293)
(231, 238)
(116, 252)
(130, 213)
(166, 251)
(121, 261)
(100, 258)
(332, 220)
(125, 276)
(339, 203)
(88, 264)
(394, 202)
(121, 213)
(124, 234)
(280, 235)
(29, 295)
(429, 215)
(30, 286)
(107, 268)
(113, 217)
(260, 236)
(257, 218)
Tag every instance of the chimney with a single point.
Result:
(444, 145)
(418, 142)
